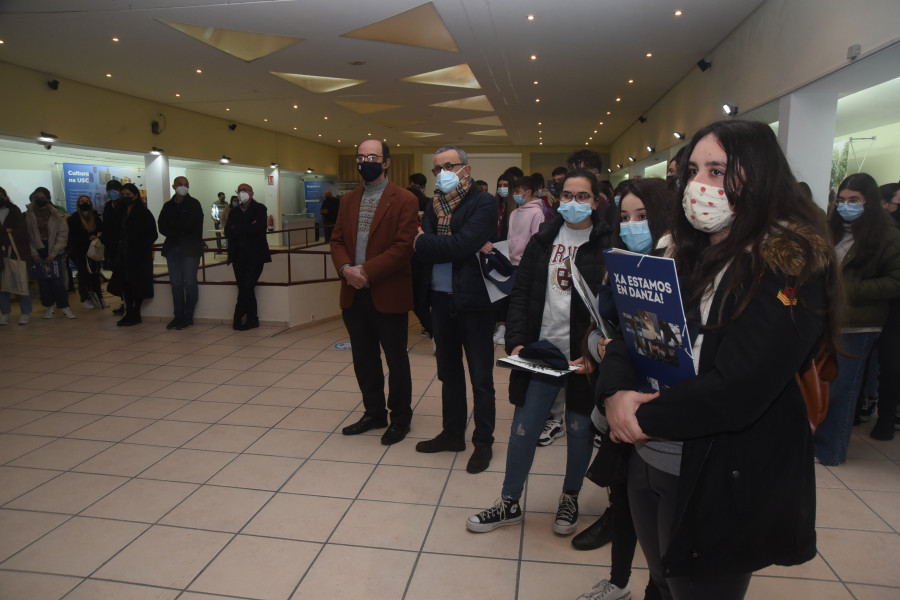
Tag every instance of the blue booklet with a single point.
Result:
(651, 315)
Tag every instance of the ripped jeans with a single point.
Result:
(527, 424)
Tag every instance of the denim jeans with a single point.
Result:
(183, 275)
(832, 437)
(527, 424)
(472, 331)
(24, 304)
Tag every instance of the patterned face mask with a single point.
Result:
(707, 207)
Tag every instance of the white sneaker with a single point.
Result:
(4, 319)
(68, 312)
(500, 336)
(88, 305)
(605, 590)
(25, 319)
(49, 313)
(552, 429)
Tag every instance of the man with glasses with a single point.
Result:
(460, 222)
(371, 247)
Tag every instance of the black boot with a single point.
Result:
(596, 535)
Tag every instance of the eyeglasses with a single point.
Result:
(367, 158)
(851, 200)
(444, 167)
(582, 197)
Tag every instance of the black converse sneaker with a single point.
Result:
(566, 515)
(503, 512)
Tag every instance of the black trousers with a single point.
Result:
(653, 494)
(246, 274)
(472, 331)
(370, 332)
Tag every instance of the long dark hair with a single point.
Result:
(658, 201)
(767, 201)
(869, 229)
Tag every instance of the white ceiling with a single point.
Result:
(587, 51)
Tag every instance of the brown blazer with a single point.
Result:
(388, 252)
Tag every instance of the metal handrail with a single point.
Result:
(289, 250)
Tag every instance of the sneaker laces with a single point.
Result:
(603, 588)
(497, 510)
(567, 509)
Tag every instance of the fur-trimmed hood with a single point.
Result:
(783, 254)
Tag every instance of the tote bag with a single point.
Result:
(15, 273)
(96, 250)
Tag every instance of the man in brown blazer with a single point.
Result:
(371, 246)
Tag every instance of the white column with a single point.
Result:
(156, 182)
(273, 202)
(806, 124)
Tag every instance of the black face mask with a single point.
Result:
(126, 200)
(85, 208)
(370, 171)
(4, 201)
(41, 201)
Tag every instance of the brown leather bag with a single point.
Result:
(814, 381)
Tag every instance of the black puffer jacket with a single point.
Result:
(474, 222)
(526, 303)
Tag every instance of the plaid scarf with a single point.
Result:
(445, 204)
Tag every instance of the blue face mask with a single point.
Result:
(503, 192)
(447, 181)
(636, 235)
(850, 212)
(575, 212)
(519, 199)
(113, 194)
(617, 200)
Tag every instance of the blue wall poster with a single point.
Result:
(91, 180)
(314, 191)
(651, 317)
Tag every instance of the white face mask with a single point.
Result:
(244, 197)
(707, 207)
(182, 190)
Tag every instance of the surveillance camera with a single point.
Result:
(233, 126)
(53, 84)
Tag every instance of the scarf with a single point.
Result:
(445, 204)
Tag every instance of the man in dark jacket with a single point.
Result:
(457, 225)
(112, 226)
(248, 252)
(181, 221)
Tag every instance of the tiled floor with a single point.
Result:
(140, 463)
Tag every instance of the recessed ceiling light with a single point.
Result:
(590, 137)
(326, 118)
(177, 95)
(679, 12)
(631, 81)
(531, 17)
(678, 135)
(631, 158)
(109, 74)
(199, 70)
(534, 57)
(540, 143)
(649, 54)
(339, 141)
(320, 135)
(537, 99)
(609, 113)
(226, 108)
(539, 123)
(595, 131)
(115, 39)
(601, 122)
(265, 120)
(535, 82)
(618, 99)
(384, 140)
(295, 129)
(585, 143)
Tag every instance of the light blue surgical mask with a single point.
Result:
(503, 192)
(447, 181)
(636, 235)
(850, 212)
(113, 194)
(519, 198)
(575, 212)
